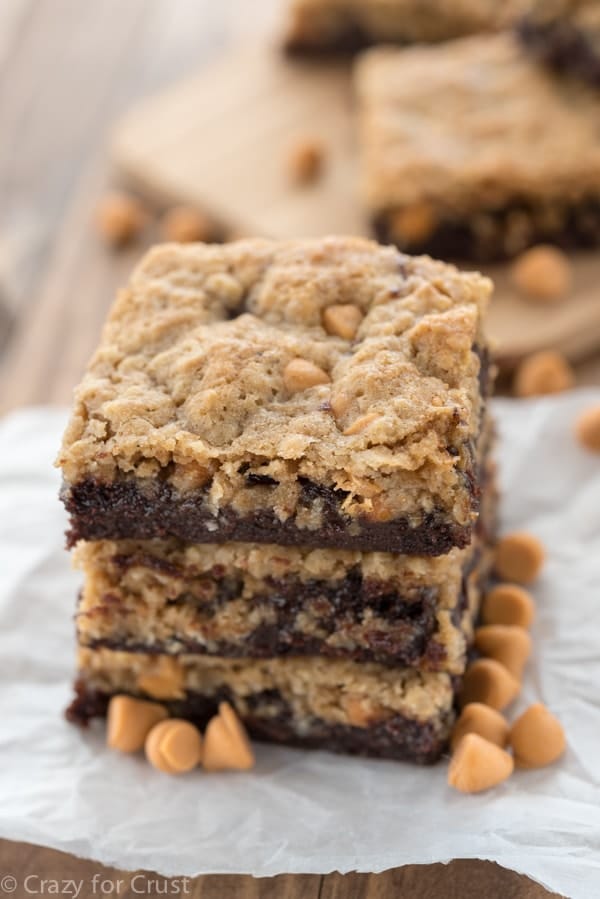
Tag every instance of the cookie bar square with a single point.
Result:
(317, 26)
(340, 706)
(256, 600)
(320, 393)
(566, 35)
(472, 150)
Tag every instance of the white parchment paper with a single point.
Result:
(301, 811)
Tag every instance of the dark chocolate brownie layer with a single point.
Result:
(121, 509)
(570, 227)
(398, 738)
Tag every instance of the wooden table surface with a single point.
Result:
(68, 68)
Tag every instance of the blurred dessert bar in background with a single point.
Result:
(350, 25)
(471, 150)
(565, 34)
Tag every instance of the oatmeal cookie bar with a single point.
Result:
(317, 26)
(565, 34)
(323, 393)
(256, 600)
(472, 150)
(341, 706)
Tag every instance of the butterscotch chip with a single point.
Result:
(489, 682)
(300, 374)
(226, 743)
(509, 645)
(543, 274)
(508, 604)
(543, 373)
(477, 718)
(413, 224)
(305, 160)
(587, 429)
(537, 737)
(342, 319)
(120, 218)
(477, 764)
(174, 746)
(166, 682)
(340, 403)
(519, 557)
(361, 712)
(361, 423)
(130, 720)
(184, 224)
(380, 509)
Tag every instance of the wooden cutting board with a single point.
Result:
(220, 139)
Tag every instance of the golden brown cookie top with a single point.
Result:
(192, 374)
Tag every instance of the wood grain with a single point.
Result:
(68, 69)
(221, 138)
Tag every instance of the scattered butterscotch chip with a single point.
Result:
(477, 718)
(305, 161)
(537, 737)
(174, 746)
(477, 764)
(130, 720)
(184, 224)
(226, 743)
(508, 604)
(587, 429)
(120, 218)
(543, 274)
(507, 644)
(519, 557)
(361, 423)
(342, 319)
(300, 374)
(489, 682)
(543, 373)
(413, 224)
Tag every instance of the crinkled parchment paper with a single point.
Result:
(302, 811)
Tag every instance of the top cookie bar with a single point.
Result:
(318, 392)
(565, 34)
(349, 25)
(471, 150)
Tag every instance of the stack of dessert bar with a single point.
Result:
(278, 478)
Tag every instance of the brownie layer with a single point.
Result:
(128, 509)
(341, 707)
(564, 45)
(244, 600)
(497, 234)
(190, 421)
(398, 738)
